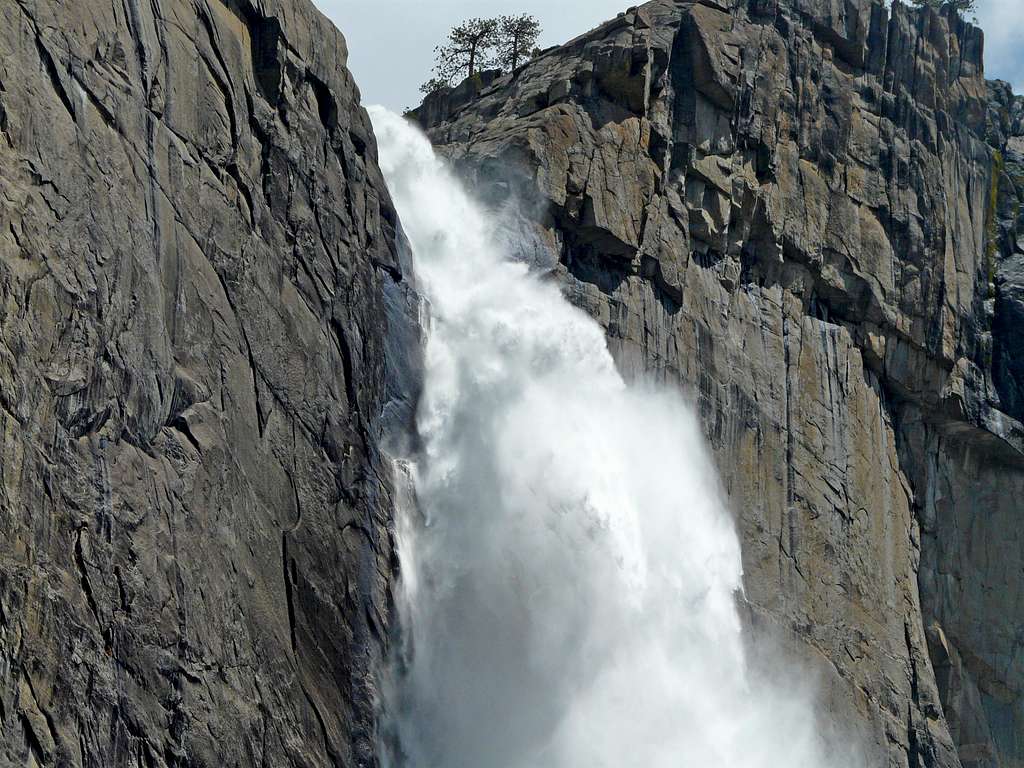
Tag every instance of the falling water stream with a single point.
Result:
(570, 572)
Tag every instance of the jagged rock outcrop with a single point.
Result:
(807, 212)
(202, 344)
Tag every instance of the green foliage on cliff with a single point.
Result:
(961, 6)
(478, 44)
(517, 40)
(470, 47)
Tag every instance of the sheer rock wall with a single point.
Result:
(202, 319)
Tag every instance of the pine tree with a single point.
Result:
(469, 49)
(960, 6)
(517, 40)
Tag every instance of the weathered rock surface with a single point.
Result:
(971, 496)
(201, 346)
(807, 212)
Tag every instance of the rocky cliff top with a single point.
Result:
(870, 87)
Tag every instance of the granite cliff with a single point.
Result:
(807, 213)
(203, 330)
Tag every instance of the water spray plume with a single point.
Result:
(569, 579)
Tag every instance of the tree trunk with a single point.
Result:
(515, 52)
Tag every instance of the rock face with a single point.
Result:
(203, 340)
(807, 212)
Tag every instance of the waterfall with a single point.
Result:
(570, 571)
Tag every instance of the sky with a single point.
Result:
(391, 42)
(1003, 22)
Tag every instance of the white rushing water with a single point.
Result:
(569, 582)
